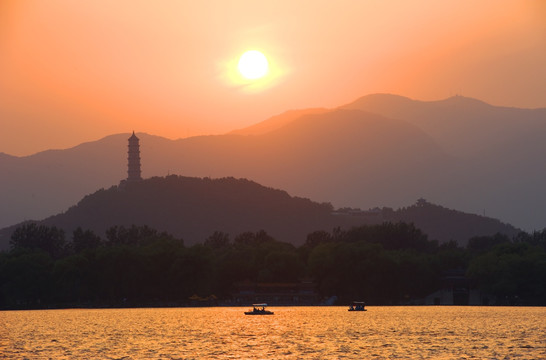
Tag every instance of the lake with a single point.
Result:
(416, 332)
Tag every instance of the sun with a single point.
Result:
(253, 65)
(251, 71)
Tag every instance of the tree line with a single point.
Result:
(391, 263)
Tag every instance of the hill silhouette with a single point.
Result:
(445, 224)
(194, 208)
(381, 150)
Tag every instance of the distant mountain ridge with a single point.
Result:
(381, 150)
(194, 208)
(464, 126)
(277, 121)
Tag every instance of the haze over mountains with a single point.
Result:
(381, 150)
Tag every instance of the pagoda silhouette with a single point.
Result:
(133, 159)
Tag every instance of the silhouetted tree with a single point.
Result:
(393, 236)
(281, 266)
(481, 244)
(391, 263)
(82, 240)
(27, 278)
(218, 240)
(318, 237)
(135, 235)
(451, 256)
(537, 238)
(338, 234)
(513, 272)
(31, 236)
(252, 239)
(72, 279)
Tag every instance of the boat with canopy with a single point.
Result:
(259, 309)
(357, 306)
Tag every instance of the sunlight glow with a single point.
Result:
(252, 72)
(253, 65)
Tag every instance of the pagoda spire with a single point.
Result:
(133, 159)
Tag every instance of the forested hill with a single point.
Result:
(193, 208)
(444, 224)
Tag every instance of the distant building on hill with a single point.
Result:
(133, 158)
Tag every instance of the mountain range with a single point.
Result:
(380, 150)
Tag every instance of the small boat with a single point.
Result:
(358, 306)
(259, 309)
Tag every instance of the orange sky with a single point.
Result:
(74, 71)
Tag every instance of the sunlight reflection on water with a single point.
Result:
(292, 333)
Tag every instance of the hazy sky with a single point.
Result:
(74, 71)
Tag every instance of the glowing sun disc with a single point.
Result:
(253, 65)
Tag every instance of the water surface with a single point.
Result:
(292, 333)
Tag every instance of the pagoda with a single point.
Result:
(133, 166)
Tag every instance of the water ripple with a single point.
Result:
(292, 333)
